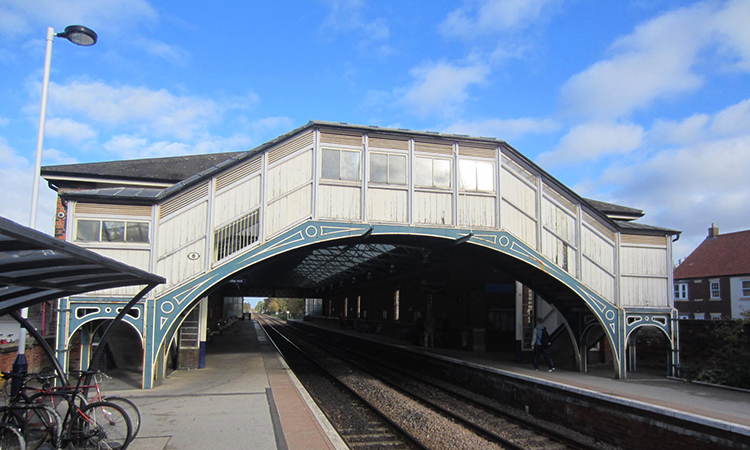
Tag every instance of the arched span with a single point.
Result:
(85, 310)
(173, 304)
(658, 319)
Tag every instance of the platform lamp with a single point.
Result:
(78, 35)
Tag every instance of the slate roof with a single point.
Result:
(160, 170)
(725, 255)
(616, 211)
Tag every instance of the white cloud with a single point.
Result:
(732, 24)
(68, 129)
(505, 129)
(348, 16)
(21, 16)
(156, 112)
(136, 147)
(442, 88)
(732, 120)
(4, 121)
(654, 62)
(679, 132)
(169, 52)
(477, 18)
(591, 141)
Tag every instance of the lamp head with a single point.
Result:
(79, 35)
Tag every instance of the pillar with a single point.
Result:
(202, 331)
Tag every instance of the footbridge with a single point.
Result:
(329, 210)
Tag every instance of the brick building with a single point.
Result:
(714, 280)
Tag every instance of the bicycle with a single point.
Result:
(11, 438)
(97, 425)
(37, 423)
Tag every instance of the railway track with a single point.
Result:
(431, 414)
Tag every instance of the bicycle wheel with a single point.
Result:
(42, 424)
(61, 402)
(130, 409)
(10, 438)
(99, 426)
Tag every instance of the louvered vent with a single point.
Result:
(113, 210)
(479, 152)
(433, 147)
(238, 173)
(388, 143)
(644, 240)
(290, 147)
(340, 138)
(237, 235)
(183, 200)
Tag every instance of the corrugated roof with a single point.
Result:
(725, 255)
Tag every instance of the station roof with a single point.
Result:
(35, 267)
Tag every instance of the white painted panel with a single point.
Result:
(518, 223)
(339, 202)
(598, 280)
(643, 261)
(138, 258)
(288, 210)
(181, 228)
(644, 292)
(237, 201)
(477, 211)
(563, 255)
(433, 208)
(559, 221)
(289, 175)
(177, 267)
(518, 193)
(598, 249)
(388, 205)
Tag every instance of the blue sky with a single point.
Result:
(644, 103)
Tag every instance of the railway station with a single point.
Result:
(449, 245)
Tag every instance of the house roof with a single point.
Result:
(724, 255)
(614, 211)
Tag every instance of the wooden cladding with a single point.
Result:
(238, 173)
(113, 210)
(282, 151)
(183, 200)
(661, 241)
(328, 137)
(440, 148)
(388, 143)
(478, 152)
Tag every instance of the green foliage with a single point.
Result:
(295, 306)
(729, 363)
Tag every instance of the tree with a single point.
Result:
(729, 363)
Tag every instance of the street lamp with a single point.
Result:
(78, 35)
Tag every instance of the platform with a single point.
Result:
(245, 398)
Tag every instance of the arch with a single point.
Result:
(174, 303)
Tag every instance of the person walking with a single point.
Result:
(540, 344)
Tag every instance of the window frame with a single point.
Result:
(388, 181)
(323, 170)
(476, 164)
(433, 185)
(745, 290)
(683, 291)
(127, 225)
(711, 290)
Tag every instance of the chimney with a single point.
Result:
(713, 231)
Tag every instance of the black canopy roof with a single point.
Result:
(35, 267)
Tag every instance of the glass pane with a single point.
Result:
(468, 172)
(113, 231)
(423, 168)
(379, 168)
(397, 169)
(485, 176)
(350, 166)
(137, 232)
(88, 230)
(331, 164)
(442, 173)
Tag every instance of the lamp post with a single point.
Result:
(78, 35)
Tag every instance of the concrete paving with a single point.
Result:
(230, 404)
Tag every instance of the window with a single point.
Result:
(396, 305)
(715, 290)
(477, 175)
(715, 316)
(746, 288)
(111, 231)
(340, 165)
(680, 291)
(432, 172)
(700, 316)
(390, 169)
(684, 316)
